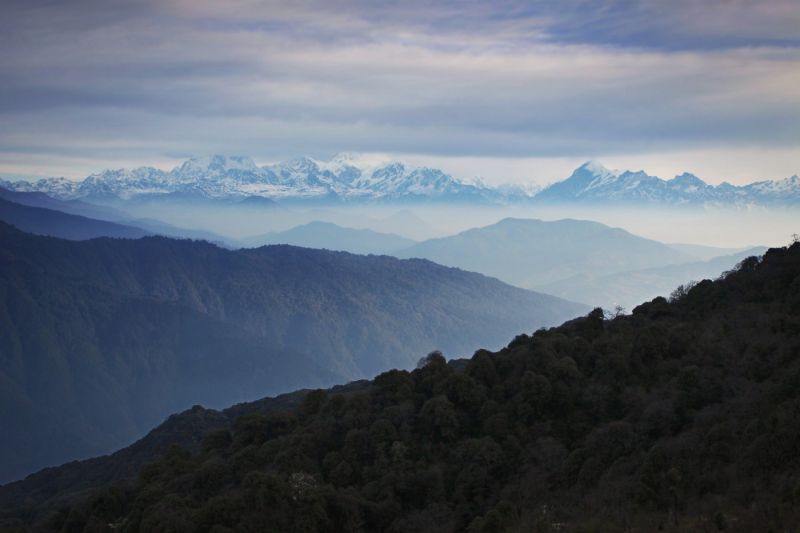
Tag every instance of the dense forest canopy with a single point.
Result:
(684, 415)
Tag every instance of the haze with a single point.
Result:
(712, 227)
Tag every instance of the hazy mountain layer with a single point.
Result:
(325, 235)
(57, 224)
(100, 339)
(706, 253)
(73, 207)
(100, 213)
(631, 288)
(533, 253)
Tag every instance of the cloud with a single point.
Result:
(503, 79)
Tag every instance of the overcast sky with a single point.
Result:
(507, 90)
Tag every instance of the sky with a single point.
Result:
(511, 91)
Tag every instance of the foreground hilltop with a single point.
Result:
(683, 416)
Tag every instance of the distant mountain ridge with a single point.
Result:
(42, 221)
(351, 178)
(533, 253)
(630, 288)
(65, 218)
(592, 183)
(343, 178)
(579, 260)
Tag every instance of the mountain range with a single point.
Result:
(349, 178)
(102, 338)
(343, 178)
(592, 183)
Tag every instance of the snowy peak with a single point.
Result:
(790, 185)
(344, 161)
(54, 187)
(688, 183)
(588, 176)
(350, 177)
(346, 177)
(216, 164)
(687, 180)
(300, 165)
(595, 168)
(594, 183)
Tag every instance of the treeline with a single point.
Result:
(682, 416)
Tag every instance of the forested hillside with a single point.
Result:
(100, 340)
(683, 416)
(58, 486)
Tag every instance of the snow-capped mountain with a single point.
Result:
(346, 177)
(592, 183)
(354, 178)
(785, 190)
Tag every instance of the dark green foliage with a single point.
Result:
(102, 339)
(195, 429)
(684, 416)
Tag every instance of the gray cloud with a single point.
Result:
(271, 79)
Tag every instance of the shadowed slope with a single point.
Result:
(101, 339)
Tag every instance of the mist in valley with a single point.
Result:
(730, 228)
